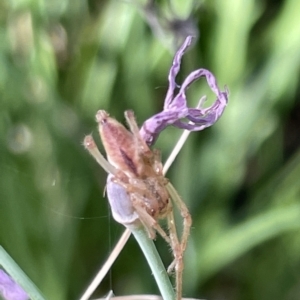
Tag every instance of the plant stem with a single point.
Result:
(18, 275)
(155, 263)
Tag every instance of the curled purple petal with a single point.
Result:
(9, 289)
(175, 69)
(175, 107)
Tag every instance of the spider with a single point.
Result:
(137, 190)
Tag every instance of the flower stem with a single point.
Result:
(155, 263)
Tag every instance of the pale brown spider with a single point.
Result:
(137, 189)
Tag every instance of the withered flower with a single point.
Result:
(175, 106)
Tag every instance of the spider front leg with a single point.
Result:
(122, 208)
(91, 146)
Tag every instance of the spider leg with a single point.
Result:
(138, 202)
(187, 220)
(177, 263)
(91, 146)
(178, 247)
(142, 147)
(150, 223)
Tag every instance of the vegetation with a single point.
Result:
(61, 61)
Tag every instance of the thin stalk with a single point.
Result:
(155, 263)
(176, 150)
(106, 267)
(185, 134)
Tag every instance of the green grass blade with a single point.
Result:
(19, 276)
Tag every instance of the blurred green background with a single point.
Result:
(61, 61)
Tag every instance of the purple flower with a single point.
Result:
(175, 106)
(9, 289)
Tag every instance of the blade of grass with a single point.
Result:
(19, 276)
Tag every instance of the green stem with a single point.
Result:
(155, 263)
(11, 267)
